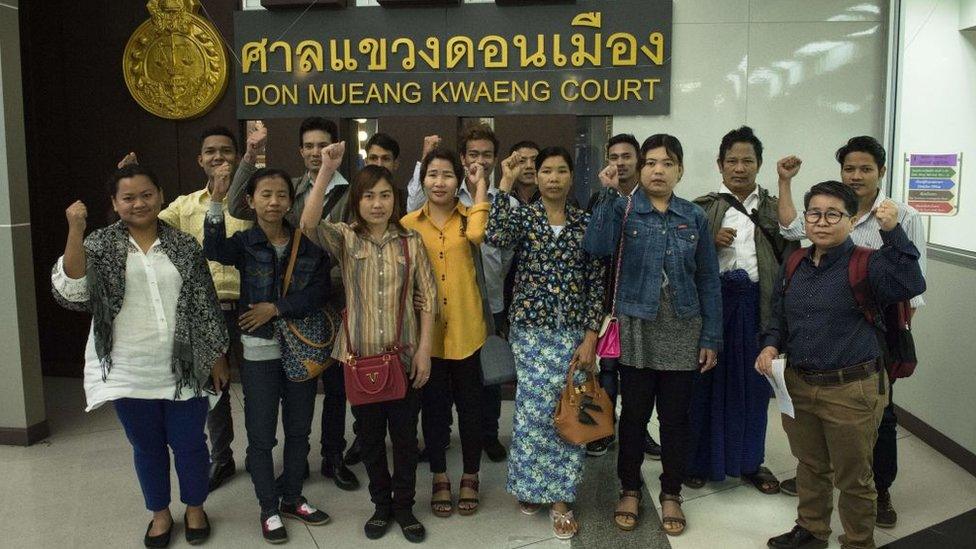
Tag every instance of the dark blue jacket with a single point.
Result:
(677, 242)
(262, 274)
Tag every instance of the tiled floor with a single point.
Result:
(78, 489)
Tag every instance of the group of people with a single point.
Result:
(700, 291)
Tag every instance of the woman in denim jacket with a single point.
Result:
(670, 314)
(261, 255)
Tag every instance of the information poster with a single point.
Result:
(933, 183)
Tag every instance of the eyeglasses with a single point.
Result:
(833, 217)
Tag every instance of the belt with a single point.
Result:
(841, 376)
(228, 305)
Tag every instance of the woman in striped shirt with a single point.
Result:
(369, 250)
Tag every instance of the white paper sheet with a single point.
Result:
(778, 381)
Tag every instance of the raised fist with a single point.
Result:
(887, 214)
(128, 160)
(77, 215)
(221, 181)
(332, 155)
(608, 177)
(788, 167)
(431, 142)
(257, 138)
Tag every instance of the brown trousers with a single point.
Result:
(833, 438)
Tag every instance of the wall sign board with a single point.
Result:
(934, 183)
(591, 58)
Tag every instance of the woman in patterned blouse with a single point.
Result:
(556, 312)
(375, 269)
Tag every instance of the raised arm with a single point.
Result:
(415, 188)
(786, 170)
(217, 246)
(894, 271)
(236, 204)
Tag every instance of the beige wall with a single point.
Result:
(21, 392)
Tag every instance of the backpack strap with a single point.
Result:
(792, 263)
(857, 275)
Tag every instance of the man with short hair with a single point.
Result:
(623, 163)
(217, 158)
(862, 163)
(526, 188)
(315, 134)
(729, 407)
(835, 372)
(383, 150)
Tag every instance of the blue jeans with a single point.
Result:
(265, 388)
(155, 426)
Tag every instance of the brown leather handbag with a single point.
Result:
(584, 412)
(378, 378)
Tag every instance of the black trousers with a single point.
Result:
(458, 381)
(399, 418)
(333, 411)
(639, 389)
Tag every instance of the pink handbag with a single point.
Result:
(608, 343)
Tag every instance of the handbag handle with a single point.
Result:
(403, 304)
(620, 253)
(359, 385)
(571, 385)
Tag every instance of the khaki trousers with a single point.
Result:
(833, 438)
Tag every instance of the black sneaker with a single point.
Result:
(495, 451)
(797, 538)
(887, 517)
(379, 523)
(304, 512)
(412, 529)
(273, 529)
(651, 447)
(788, 486)
(598, 448)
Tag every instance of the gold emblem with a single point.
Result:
(175, 65)
(372, 377)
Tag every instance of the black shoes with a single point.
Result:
(273, 529)
(598, 448)
(196, 536)
(788, 486)
(333, 467)
(886, 517)
(412, 530)
(652, 448)
(379, 523)
(219, 472)
(162, 540)
(304, 512)
(495, 451)
(797, 538)
(354, 454)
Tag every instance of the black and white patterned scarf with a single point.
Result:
(200, 336)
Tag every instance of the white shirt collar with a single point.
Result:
(751, 199)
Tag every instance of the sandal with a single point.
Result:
(633, 516)
(673, 525)
(472, 503)
(694, 482)
(528, 508)
(439, 506)
(764, 481)
(564, 525)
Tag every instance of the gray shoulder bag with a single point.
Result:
(497, 360)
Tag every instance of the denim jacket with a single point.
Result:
(262, 274)
(677, 242)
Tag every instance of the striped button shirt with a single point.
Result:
(867, 233)
(373, 274)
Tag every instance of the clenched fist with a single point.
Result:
(608, 177)
(887, 214)
(77, 215)
(128, 160)
(221, 182)
(788, 167)
(332, 156)
(725, 236)
(431, 142)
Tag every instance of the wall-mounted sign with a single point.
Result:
(933, 183)
(175, 65)
(591, 58)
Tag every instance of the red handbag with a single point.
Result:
(377, 378)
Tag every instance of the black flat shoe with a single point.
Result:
(413, 531)
(378, 524)
(651, 447)
(797, 538)
(333, 467)
(354, 454)
(196, 536)
(162, 540)
(219, 472)
(495, 451)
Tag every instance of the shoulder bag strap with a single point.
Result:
(754, 217)
(296, 240)
(620, 253)
(479, 273)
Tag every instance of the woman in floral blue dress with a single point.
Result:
(556, 312)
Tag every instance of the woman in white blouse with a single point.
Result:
(156, 339)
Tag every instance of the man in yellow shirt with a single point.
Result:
(218, 157)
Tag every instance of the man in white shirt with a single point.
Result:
(862, 167)
(728, 411)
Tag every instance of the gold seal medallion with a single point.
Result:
(175, 65)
